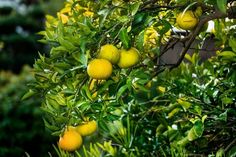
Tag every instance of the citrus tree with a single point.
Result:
(106, 93)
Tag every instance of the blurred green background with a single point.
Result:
(22, 131)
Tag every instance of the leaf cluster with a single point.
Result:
(141, 111)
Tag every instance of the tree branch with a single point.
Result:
(159, 6)
(193, 35)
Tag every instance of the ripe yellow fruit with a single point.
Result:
(87, 128)
(99, 69)
(128, 58)
(187, 20)
(109, 52)
(71, 140)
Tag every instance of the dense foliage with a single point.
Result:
(151, 109)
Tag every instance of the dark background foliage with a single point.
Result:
(22, 130)
(21, 125)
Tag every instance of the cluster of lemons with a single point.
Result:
(101, 67)
(72, 136)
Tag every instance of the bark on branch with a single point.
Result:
(193, 35)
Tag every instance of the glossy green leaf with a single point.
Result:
(29, 94)
(134, 8)
(121, 91)
(125, 38)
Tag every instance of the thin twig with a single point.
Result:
(229, 146)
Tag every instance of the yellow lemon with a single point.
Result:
(109, 52)
(87, 128)
(128, 58)
(187, 20)
(70, 140)
(99, 69)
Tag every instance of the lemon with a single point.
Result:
(71, 140)
(99, 69)
(87, 128)
(128, 58)
(187, 20)
(109, 52)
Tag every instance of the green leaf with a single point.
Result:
(232, 44)
(222, 5)
(223, 116)
(87, 92)
(121, 91)
(102, 16)
(123, 18)
(227, 100)
(199, 128)
(184, 103)
(84, 28)
(188, 57)
(28, 94)
(80, 57)
(105, 86)
(125, 39)
(196, 131)
(183, 141)
(58, 51)
(68, 45)
(220, 153)
(139, 18)
(140, 40)
(134, 8)
(49, 126)
(232, 152)
(228, 54)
